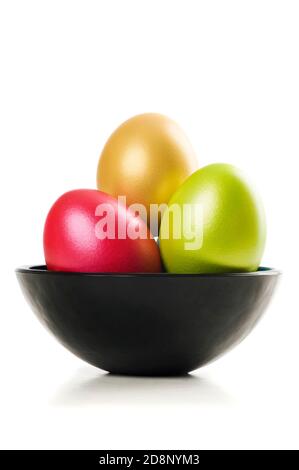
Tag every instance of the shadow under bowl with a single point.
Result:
(148, 324)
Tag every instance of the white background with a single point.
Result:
(70, 72)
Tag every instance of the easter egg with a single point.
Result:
(215, 223)
(88, 231)
(146, 159)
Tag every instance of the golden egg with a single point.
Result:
(146, 159)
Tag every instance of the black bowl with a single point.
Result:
(148, 324)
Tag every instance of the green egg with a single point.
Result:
(214, 223)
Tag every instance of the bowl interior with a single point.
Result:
(262, 270)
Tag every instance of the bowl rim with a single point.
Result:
(42, 269)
